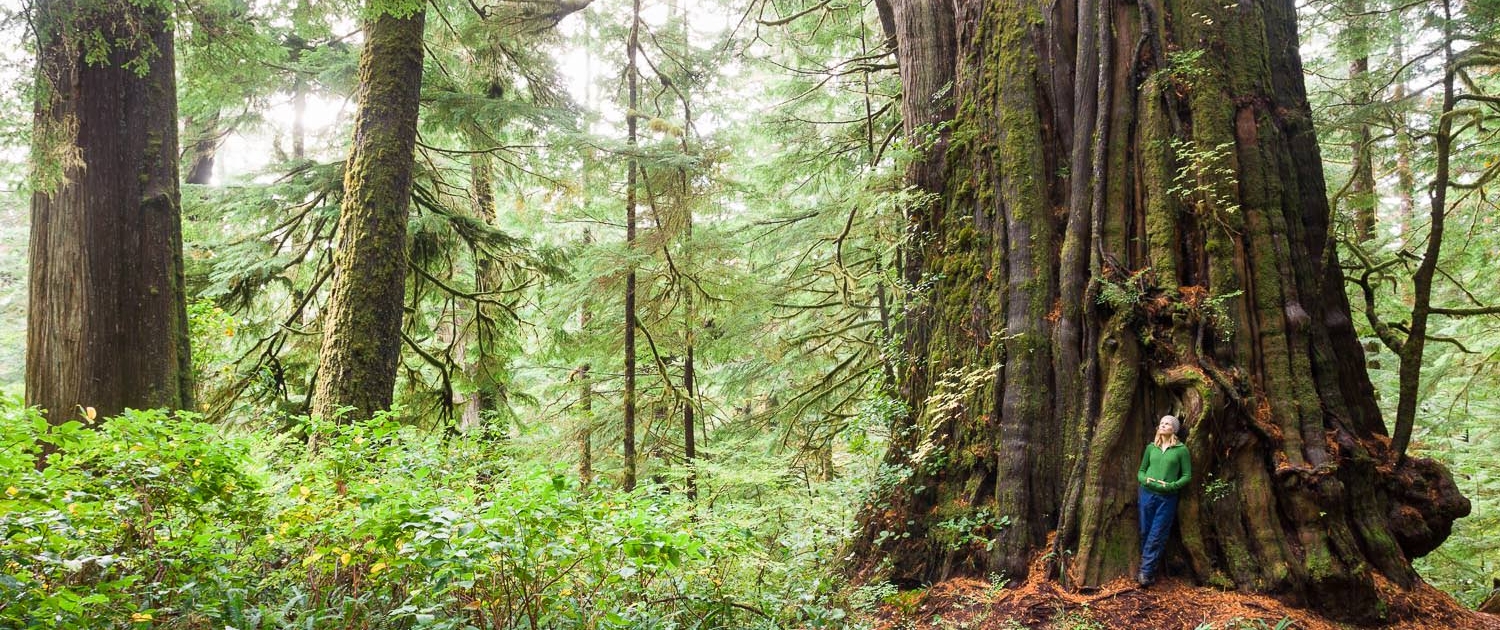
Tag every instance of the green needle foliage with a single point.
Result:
(771, 196)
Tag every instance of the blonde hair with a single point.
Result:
(1168, 441)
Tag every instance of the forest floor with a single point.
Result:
(967, 604)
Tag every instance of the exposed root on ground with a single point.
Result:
(1168, 605)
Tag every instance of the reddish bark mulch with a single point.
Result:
(965, 604)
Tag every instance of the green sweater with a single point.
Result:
(1173, 466)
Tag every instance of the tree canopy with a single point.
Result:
(742, 313)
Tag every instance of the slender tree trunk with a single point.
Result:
(585, 391)
(632, 47)
(1410, 369)
(1362, 190)
(585, 314)
(686, 282)
(1132, 221)
(106, 321)
(295, 47)
(1362, 194)
(482, 204)
(362, 324)
(1406, 181)
(689, 445)
(585, 426)
(299, 117)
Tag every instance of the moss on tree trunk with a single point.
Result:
(107, 322)
(1149, 239)
(362, 322)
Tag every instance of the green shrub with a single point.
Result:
(159, 519)
(129, 521)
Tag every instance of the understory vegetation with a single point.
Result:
(768, 254)
(151, 517)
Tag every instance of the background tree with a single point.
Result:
(632, 167)
(107, 326)
(1176, 190)
(1398, 107)
(779, 214)
(361, 329)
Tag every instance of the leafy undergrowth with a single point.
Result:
(962, 604)
(152, 520)
(162, 521)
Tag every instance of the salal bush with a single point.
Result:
(153, 519)
(144, 513)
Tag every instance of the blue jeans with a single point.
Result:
(1158, 511)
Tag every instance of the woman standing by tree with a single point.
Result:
(1165, 468)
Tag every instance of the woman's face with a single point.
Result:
(1165, 427)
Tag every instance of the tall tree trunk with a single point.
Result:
(1406, 181)
(482, 204)
(924, 33)
(295, 46)
(1362, 189)
(362, 324)
(632, 166)
(1410, 356)
(206, 136)
(585, 314)
(585, 426)
(686, 280)
(299, 115)
(1133, 222)
(1362, 193)
(106, 322)
(585, 387)
(689, 417)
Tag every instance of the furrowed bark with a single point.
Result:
(1150, 238)
(362, 323)
(107, 322)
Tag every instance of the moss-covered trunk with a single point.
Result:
(362, 321)
(632, 173)
(1148, 235)
(107, 323)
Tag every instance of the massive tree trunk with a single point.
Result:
(1133, 222)
(107, 325)
(926, 63)
(362, 326)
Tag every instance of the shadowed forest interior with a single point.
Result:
(749, 314)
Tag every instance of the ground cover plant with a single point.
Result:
(747, 313)
(161, 518)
